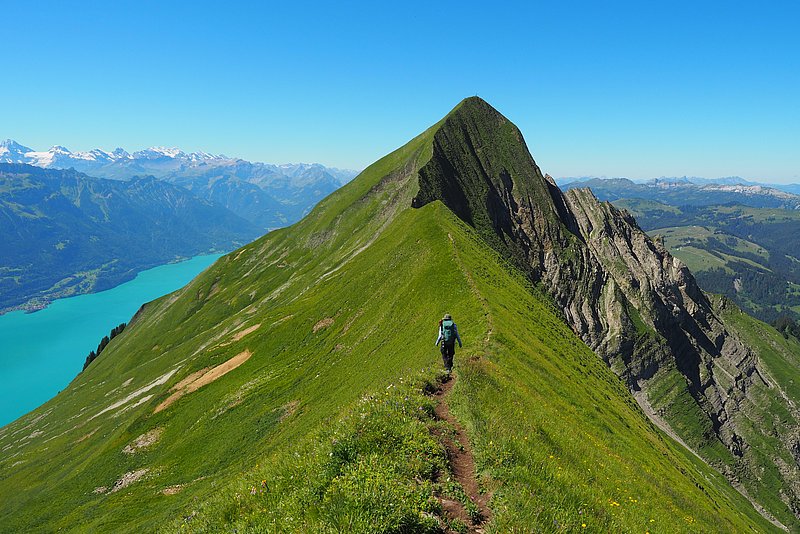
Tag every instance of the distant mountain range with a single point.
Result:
(77, 222)
(573, 181)
(265, 194)
(739, 239)
(156, 161)
(65, 233)
(684, 192)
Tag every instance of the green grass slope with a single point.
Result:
(694, 246)
(326, 426)
(557, 437)
(780, 367)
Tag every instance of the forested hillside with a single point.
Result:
(748, 254)
(66, 233)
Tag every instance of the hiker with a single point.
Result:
(448, 335)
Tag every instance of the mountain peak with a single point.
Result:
(612, 283)
(10, 143)
(479, 158)
(160, 151)
(475, 103)
(475, 107)
(12, 152)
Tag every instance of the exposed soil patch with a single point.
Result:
(86, 436)
(127, 479)
(143, 441)
(172, 490)
(462, 463)
(239, 335)
(325, 323)
(203, 377)
(249, 330)
(191, 378)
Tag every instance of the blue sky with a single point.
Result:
(637, 89)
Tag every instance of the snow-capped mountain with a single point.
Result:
(159, 161)
(13, 152)
(265, 194)
(160, 152)
(61, 157)
(57, 157)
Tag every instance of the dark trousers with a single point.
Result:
(448, 350)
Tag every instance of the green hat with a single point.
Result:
(447, 317)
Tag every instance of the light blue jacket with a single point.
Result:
(455, 331)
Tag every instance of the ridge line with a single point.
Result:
(475, 291)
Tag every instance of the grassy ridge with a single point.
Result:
(336, 312)
(533, 379)
(556, 435)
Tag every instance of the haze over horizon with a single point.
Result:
(629, 90)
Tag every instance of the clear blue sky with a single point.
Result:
(638, 89)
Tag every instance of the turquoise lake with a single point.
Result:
(41, 352)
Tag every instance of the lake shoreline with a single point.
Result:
(35, 304)
(44, 351)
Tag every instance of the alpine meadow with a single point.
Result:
(293, 386)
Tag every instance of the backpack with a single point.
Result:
(448, 331)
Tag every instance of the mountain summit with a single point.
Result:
(632, 302)
(284, 388)
(13, 152)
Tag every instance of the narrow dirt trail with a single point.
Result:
(462, 462)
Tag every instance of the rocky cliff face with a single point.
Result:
(632, 302)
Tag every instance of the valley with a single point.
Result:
(739, 240)
(78, 223)
(745, 253)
